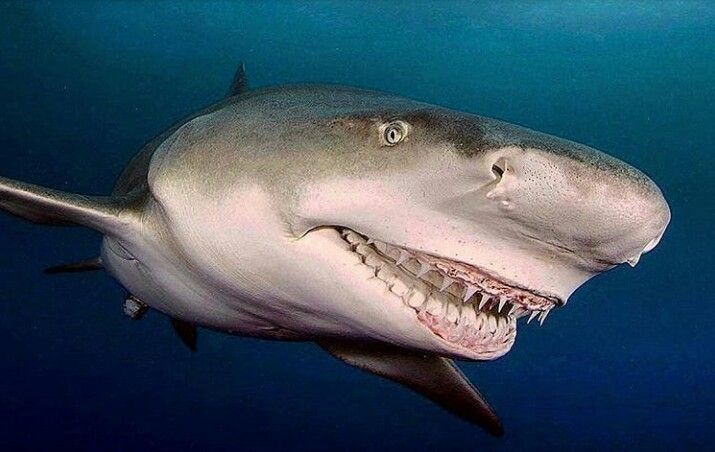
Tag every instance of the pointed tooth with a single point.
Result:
(492, 323)
(502, 302)
(370, 241)
(485, 299)
(424, 268)
(531, 317)
(471, 290)
(381, 247)
(446, 282)
(542, 317)
(404, 255)
(512, 309)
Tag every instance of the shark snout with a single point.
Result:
(586, 203)
(647, 226)
(630, 212)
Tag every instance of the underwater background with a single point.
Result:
(628, 364)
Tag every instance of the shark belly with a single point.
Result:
(163, 282)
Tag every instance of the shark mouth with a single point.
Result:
(463, 305)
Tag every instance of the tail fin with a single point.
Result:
(46, 206)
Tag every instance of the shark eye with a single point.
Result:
(394, 132)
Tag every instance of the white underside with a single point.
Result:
(266, 283)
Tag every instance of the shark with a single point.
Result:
(397, 235)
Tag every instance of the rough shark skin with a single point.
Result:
(394, 233)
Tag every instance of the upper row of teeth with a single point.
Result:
(469, 291)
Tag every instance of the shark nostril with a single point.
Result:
(497, 170)
(502, 184)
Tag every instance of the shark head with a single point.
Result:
(337, 212)
(454, 226)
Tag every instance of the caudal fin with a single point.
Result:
(47, 206)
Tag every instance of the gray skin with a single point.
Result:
(232, 220)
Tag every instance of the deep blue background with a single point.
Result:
(628, 363)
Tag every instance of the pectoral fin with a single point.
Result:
(437, 378)
(53, 207)
(187, 332)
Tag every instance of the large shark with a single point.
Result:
(396, 234)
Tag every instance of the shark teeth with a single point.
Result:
(446, 282)
(531, 317)
(485, 299)
(471, 312)
(404, 256)
(502, 302)
(424, 268)
(468, 293)
(542, 317)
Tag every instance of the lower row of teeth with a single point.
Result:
(477, 308)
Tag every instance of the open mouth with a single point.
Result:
(460, 303)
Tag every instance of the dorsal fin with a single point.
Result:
(240, 82)
(434, 377)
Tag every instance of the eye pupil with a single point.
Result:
(394, 133)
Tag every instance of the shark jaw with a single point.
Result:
(470, 311)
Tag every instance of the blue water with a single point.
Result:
(628, 364)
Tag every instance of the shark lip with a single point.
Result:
(460, 303)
